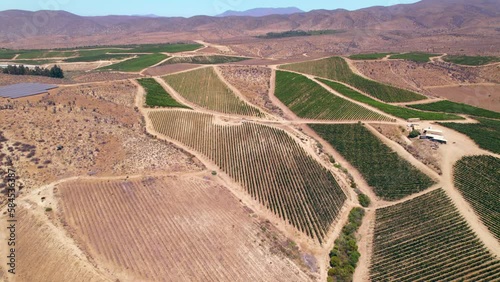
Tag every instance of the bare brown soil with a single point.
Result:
(97, 127)
(185, 228)
(253, 83)
(415, 76)
(7, 79)
(43, 253)
(483, 96)
(425, 151)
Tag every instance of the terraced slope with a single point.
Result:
(426, 239)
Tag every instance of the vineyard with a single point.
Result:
(391, 176)
(372, 56)
(459, 108)
(397, 111)
(171, 229)
(478, 179)
(136, 64)
(486, 133)
(471, 60)
(205, 60)
(307, 99)
(156, 96)
(336, 68)
(204, 88)
(417, 57)
(267, 162)
(426, 239)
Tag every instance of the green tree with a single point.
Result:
(56, 71)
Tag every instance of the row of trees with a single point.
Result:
(55, 71)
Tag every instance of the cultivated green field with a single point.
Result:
(397, 111)
(6, 54)
(42, 54)
(137, 64)
(458, 108)
(426, 239)
(95, 58)
(471, 60)
(87, 54)
(486, 134)
(309, 100)
(34, 62)
(478, 179)
(204, 88)
(157, 96)
(415, 57)
(372, 56)
(204, 60)
(391, 176)
(336, 68)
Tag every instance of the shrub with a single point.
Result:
(48, 209)
(344, 255)
(332, 160)
(364, 200)
(414, 133)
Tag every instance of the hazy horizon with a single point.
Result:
(187, 8)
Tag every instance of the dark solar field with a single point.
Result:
(24, 89)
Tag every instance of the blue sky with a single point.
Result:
(183, 8)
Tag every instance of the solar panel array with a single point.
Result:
(24, 90)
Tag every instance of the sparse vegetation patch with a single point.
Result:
(344, 256)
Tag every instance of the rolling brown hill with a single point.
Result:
(428, 17)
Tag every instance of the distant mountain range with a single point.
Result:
(261, 12)
(427, 17)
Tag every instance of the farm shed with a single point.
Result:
(433, 131)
